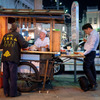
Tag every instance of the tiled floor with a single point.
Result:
(63, 89)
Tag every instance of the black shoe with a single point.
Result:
(90, 86)
(93, 88)
(7, 95)
(96, 85)
(18, 94)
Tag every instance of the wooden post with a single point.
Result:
(34, 25)
(45, 74)
(25, 22)
(51, 25)
(19, 21)
(34, 22)
(0, 32)
(29, 23)
(3, 27)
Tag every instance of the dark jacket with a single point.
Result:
(11, 45)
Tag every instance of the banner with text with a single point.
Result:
(75, 24)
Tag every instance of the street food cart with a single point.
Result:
(28, 74)
(35, 66)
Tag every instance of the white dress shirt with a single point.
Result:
(92, 42)
(39, 43)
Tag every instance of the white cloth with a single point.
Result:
(44, 31)
(92, 42)
(40, 43)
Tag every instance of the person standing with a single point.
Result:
(11, 44)
(90, 54)
(42, 41)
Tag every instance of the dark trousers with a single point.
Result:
(89, 67)
(10, 78)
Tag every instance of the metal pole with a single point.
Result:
(64, 8)
(75, 70)
(16, 2)
(57, 4)
(99, 33)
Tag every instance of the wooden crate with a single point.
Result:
(50, 70)
(42, 68)
(56, 37)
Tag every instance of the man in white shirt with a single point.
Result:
(90, 53)
(42, 41)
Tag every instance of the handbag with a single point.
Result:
(84, 83)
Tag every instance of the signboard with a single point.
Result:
(75, 24)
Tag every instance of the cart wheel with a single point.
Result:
(58, 68)
(27, 76)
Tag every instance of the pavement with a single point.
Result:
(64, 88)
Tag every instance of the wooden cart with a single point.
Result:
(35, 68)
(27, 81)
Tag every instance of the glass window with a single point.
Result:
(95, 20)
(90, 20)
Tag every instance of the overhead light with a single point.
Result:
(55, 0)
(60, 3)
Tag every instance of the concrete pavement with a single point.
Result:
(63, 89)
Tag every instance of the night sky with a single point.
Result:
(82, 4)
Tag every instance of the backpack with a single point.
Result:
(83, 82)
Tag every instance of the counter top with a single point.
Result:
(39, 52)
(72, 56)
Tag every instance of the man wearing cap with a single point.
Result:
(11, 44)
(42, 41)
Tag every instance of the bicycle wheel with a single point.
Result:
(27, 76)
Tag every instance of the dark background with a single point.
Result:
(82, 4)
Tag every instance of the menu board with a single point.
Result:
(75, 24)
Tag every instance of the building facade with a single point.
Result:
(21, 4)
(93, 17)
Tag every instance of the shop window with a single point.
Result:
(23, 4)
(90, 20)
(95, 20)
